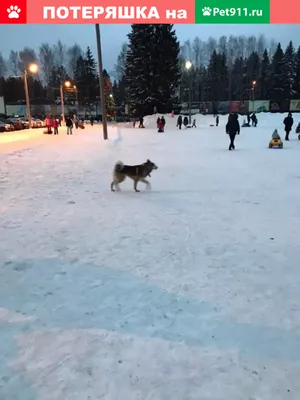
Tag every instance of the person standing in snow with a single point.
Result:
(254, 120)
(194, 124)
(141, 125)
(185, 121)
(160, 126)
(179, 121)
(217, 120)
(248, 118)
(55, 125)
(48, 124)
(288, 123)
(232, 129)
(69, 125)
(76, 121)
(163, 121)
(158, 122)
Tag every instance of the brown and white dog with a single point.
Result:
(135, 172)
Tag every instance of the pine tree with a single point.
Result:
(217, 73)
(296, 85)
(152, 68)
(279, 84)
(289, 67)
(264, 77)
(237, 79)
(108, 93)
(86, 77)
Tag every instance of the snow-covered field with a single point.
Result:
(187, 292)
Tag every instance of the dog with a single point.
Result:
(135, 172)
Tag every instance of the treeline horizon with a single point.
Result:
(222, 69)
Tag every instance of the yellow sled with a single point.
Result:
(275, 144)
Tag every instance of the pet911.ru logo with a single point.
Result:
(231, 12)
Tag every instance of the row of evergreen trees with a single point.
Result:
(274, 78)
(154, 74)
(151, 72)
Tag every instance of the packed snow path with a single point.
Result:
(190, 291)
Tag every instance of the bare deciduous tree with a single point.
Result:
(120, 65)
(73, 52)
(250, 45)
(27, 56)
(59, 54)
(222, 45)
(272, 48)
(197, 49)
(261, 45)
(46, 57)
(3, 66)
(14, 62)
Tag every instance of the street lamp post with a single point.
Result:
(62, 102)
(76, 94)
(188, 66)
(253, 94)
(33, 68)
(101, 82)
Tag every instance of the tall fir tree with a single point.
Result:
(279, 85)
(86, 77)
(289, 67)
(263, 86)
(109, 96)
(217, 74)
(152, 69)
(296, 86)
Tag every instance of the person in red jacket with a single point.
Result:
(55, 124)
(160, 126)
(48, 124)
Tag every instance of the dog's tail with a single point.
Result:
(118, 166)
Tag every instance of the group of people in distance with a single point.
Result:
(233, 127)
(185, 122)
(55, 123)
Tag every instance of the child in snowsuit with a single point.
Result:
(160, 126)
(275, 135)
(194, 124)
(185, 121)
(179, 121)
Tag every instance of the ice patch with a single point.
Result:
(10, 317)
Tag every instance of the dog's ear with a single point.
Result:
(148, 161)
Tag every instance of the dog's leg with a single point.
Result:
(147, 183)
(112, 186)
(135, 185)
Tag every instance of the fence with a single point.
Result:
(243, 107)
(53, 109)
(221, 107)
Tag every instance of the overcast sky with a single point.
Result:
(18, 36)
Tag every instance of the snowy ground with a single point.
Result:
(187, 292)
